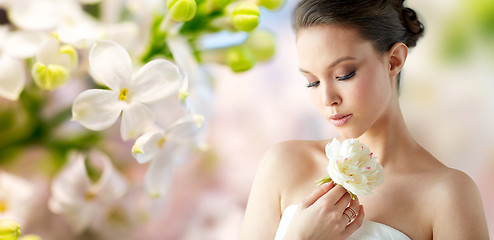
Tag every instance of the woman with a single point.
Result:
(351, 53)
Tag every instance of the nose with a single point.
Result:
(330, 96)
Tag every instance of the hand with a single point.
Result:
(326, 214)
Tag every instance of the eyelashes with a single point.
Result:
(313, 84)
(346, 76)
(340, 78)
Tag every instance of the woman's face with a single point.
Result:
(348, 81)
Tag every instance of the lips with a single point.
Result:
(339, 120)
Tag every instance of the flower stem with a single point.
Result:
(322, 181)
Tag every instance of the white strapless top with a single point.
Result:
(368, 231)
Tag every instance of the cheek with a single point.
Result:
(373, 89)
(315, 96)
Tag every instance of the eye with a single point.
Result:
(313, 84)
(346, 77)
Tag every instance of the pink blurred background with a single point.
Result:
(447, 98)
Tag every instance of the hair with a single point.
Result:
(383, 22)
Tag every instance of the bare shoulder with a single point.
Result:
(281, 167)
(451, 182)
(457, 206)
(293, 162)
(292, 154)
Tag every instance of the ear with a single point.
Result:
(396, 58)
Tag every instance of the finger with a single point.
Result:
(357, 222)
(344, 201)
(316, 194)
(333, 196)
(354, 207)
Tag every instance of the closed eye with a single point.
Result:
(313, 84)
(346, 77)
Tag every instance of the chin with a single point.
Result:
(350, 133)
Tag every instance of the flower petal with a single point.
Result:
(97, 109)
(146, 147)
(186, 128)
(155, 80)
(48, 53)
(34, 15)
(111, 64)
(70, 185)
(111, 185)
(12, 78)
(159, 174)
(135, 118)
(23, 44)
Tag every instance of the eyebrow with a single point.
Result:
(333, 64)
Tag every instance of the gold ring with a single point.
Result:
(349, 218)
(353, 211)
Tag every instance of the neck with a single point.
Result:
(389, 138)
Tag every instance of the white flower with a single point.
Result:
(199, 94)
(83, 201)
(16, 197)
(35, 15)
(165, 149)
(98, 109)
(13, 47)
(54, 63)
(12, 79)
(352, 166)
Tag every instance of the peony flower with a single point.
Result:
(84, 195)
(98, 109)
(352, 165)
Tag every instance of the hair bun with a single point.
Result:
(415, 29)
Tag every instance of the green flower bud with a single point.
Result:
(245, 16)
(262, 44)
(9, 229)
(240, 58)
(271, 4)
(182, 10)
(49, 77)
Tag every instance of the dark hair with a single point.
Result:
(383, 22)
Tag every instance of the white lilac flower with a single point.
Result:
(353, 166)
(13, 77)
(35, 15)
(197, 94)
(82, 200)
(98, 109)
(16, 197)
(54, 64)
(165, 149)
(15, 46)
(81, 32)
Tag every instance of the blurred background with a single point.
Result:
(447, 97)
